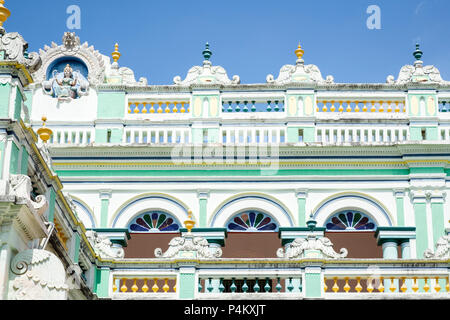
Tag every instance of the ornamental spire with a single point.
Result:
(207, 53)
(4, 13)
(116, 54)
(299, 52)
(44, 133)
(189, 224)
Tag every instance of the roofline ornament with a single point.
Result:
(206, 74)
(417, 73)
(299, 72)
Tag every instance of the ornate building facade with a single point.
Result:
(208, 188)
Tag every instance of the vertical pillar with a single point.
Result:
(102, 281)
(390, 249)
(301, 201)
(399, 201)
(5, 257)
(313, 282)
(437, 214)
(105, 196)
(420, 212)
(405, 249)
(187, 282)
(203, 196)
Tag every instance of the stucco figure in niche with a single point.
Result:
(66, 85)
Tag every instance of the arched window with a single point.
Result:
(252, 221)
(350, 220)
(154, 221)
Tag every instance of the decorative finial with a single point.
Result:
(417, 54)
(116, 54)
(189, 224)
(207, 53)
(44, 133)
(4, 13)
(299, 52)
(311, 223)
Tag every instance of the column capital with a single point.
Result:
(399, 193)
(203, 194)
(437, 196)
(418, 196)
(105, 194)
(301, 193)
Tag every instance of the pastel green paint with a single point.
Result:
(76, 248)
(102, 282)
(2, 157)
(301, 212)
(427, 170)
(213, 135)
(111, 105)
(18, 104)
(29, 100)
(5, 92)
(400, 211)
(197, 135)
(187, 285)
(203, 213)
(14, 162)
(422, 104)
(228, 173)
(115, 135)
(421, 228)
(51, 205)
(104, 213)
(24, 161)
(437, 213)
(313, 285)
(431, 133)
(300, 134)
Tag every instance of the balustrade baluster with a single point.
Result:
(175, 109)
(144, 107)
(155, 287)
(267, 286)
(276, 109)
(278, 287)
(230, 109)
(233, 287)
(145, 286)
(381, 286)
(160, 110)
(166, 286)
(221, 286)
(346, 286)
(290, 287)
(335, 287)
(437, 287)
(253, 106)
(237, 108)
(245, 286)
(415, 286)
(124, 288)
(426, 286)
(167, 110)
(152, 109)
(324, 107)
(245, 106)
(381, 108)
(256, 287)
(134, 288)
(403, 288)
(358, 287)
(349, 108)
(357, 106)
(392, 287)
(210, 287)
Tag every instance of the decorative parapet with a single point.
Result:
(206, 74)
(104, 247)
(442, 249)
(15, 49)
(299, 73)
(189, 246)
(417, 73)
(313, 246)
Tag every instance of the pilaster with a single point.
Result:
(105, 196)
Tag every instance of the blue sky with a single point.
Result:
(162, 39)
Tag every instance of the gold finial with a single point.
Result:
(116, 54)
(299, 52)
(4, 13)
(189, 224)
(44, 133)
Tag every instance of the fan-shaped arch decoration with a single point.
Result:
(252, 221)
(350, 220)
(154, 221)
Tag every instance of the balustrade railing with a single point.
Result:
(361, 106)
(254, 135)
(444, 133)
(157, 136)
(253, 105)
(361, 134)
(444, 105)
(72, 136)
(142, 285)
(158, 107)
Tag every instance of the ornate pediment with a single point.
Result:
(206, 74)
(15, 49)
(417, 73)
(299, 72)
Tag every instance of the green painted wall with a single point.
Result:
(14, 163)
(187, 285)
(101, 135)
(431, 133)
(104, 213)
(76, 248)
(111, 105)
(203, 222)
(24, 161)
(400, 211)
(18, 104)
(102, 283)
(313, 285)
(293, 134)
(5, 91)
(437, 213)
(421, 228)
(29, 100)
(301, 212)
(2, 157)
(51, 205)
